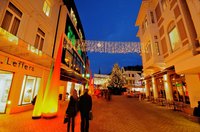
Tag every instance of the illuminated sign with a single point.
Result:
(17, 64)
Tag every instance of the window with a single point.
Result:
(157, 48)
(29, 89)
(174, 37)
(144, 24)
(164, 4)
(46, 8)
(148, 51)
(152, 17)
(71, 35)
(158, 12)
(39, 40)
(5, 85)
(12, 19)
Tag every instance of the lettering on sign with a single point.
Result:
(17, 64)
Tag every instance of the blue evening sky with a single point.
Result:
(110, 20)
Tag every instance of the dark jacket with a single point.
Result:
(72, 108)
(85, 103)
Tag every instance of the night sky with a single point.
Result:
(110, 20)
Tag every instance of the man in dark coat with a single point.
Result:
(85, 106)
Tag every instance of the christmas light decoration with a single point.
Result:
(109, 46)
(116, 77)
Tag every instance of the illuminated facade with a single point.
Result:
(133, 78)
(30, 34)
(101, 81)
(169, 34)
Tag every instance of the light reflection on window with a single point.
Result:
(174, 39)
(29, 89)
(46, 8)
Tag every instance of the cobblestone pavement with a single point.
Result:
(121, 114)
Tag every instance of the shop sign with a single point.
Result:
(14, 63)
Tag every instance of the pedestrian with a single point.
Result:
(72, 110)
(34, 100)
(85, 106)
(196, 111)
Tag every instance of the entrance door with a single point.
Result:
(5, 83)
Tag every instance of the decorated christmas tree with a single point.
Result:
(116, 77)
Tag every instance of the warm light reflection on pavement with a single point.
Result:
(121, 114)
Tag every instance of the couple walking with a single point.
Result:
(84, 104)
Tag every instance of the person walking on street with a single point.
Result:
(72, 110)
(85, 105)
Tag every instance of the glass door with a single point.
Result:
(5, 84)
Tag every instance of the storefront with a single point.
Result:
(179, 88)
(77, 87)
(160, 87)
(5, 84)
(19, 83)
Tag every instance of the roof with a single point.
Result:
(133, 68)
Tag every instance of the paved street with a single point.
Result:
(121, 114)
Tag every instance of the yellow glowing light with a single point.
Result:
(165, 77)
(66, 60)
(83, 75)
(50, 103)
(87, 75)
(8, 102)
(8, 36)
(46, 8)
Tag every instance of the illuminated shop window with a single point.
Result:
(174, 39)
(46, 8)
(5, 84)
(73, 17)
(11, 19)
(29, 89)
(71, 36)
(39, 40)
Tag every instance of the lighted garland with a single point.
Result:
(110, 47)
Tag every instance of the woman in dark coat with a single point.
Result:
(72, 110)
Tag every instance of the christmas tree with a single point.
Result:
(116, 77)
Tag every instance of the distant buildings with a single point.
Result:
(101, 81)
(169, 32)
(30, 34)
(132, 76)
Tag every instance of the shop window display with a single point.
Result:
(180, 91)
(29, 90)
(5, 84)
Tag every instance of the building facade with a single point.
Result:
(30, 33)
(132, 78)
(169, 36)
(101, 81)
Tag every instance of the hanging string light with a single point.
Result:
(109, 46)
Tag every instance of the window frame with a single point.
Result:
(39, 43)
(16, 15)
(46, 8)
(174, 45)
(36, 84)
